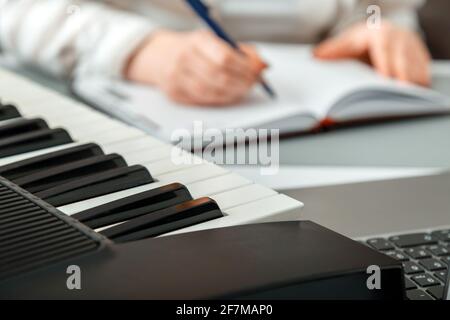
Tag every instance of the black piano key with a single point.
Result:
(96, 185)
(134, 206)
(33, 165)
(53, 177)
(21, 126)
(33, 141)
(8, 112)
(165, 220)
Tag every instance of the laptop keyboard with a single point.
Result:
(425, 258)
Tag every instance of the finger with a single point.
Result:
(411, 61)
(223, 56)
(421, 71)
(402, 70)
(381, 53)
(205, 94)
(258, 64)
(176, 93)
(423, 75)
(351, 44)
(219, 79)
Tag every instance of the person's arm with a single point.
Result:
(63, 37)
(394, 47)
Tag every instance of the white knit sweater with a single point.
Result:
(63, 37)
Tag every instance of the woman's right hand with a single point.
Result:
(195, 68)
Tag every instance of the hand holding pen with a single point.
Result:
(203, 12)
(195, 68)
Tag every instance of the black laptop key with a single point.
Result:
(441, 275)
(21, 126)
(53, 159)
(436, 292)
(439, 250)
(8, 112)
(96, 185)
(433, 264)
(418, 253)
(446, 260)
(443, 235)
(32, 141)
(53, 177)
(409, 285)
(425, 280)
(165, 220)
(412, 268)
(134, 206)
(418, 295)
(397, 254)
(380, 244)
(414, 240)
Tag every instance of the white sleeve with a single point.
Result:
(63, 37)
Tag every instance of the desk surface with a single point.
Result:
(418, 143)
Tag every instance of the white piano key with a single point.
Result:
(66, 118)
(243, 195)
(118, 135)
(167, 166)
(195, 174)
(23, 94)
(49, 107)
(264, 210)
(106, 127)
(272, 209)
(73, 208)
(138, 144)
(36, 113)
(210, 187)
(149, 155)
(28, 155)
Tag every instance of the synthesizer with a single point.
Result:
(82, 191)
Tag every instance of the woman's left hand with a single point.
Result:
(393, 51)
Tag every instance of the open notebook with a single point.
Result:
(311, 94)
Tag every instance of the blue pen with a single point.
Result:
(203, 12)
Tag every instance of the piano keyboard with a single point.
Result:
(114, 178)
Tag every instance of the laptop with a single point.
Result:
(407, 219)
